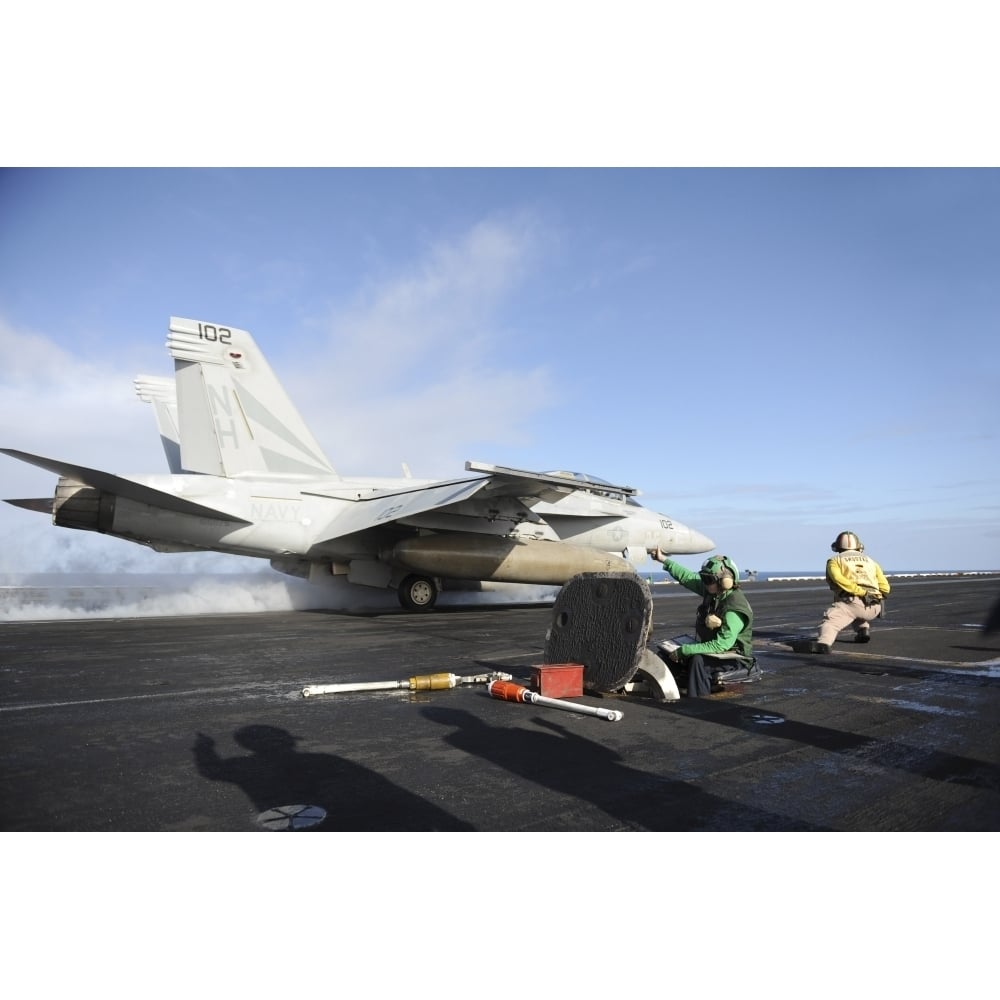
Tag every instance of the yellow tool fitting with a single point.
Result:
(433, 682)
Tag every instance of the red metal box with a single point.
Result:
(558, 680)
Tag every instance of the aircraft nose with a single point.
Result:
(687, 541)
(697, 542)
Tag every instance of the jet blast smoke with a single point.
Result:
(48, 597)
(48, 575)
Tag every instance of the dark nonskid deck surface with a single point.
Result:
(199, 724)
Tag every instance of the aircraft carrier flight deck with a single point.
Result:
(199, 723)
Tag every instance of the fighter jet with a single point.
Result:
(248, 477)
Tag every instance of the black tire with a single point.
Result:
(418, 593)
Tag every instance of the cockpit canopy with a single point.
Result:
(611, 492)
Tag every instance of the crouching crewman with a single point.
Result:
(859, 591)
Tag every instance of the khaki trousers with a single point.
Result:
(840, 614)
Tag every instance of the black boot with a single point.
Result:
(809, 646)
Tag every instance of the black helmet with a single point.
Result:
(847, 540)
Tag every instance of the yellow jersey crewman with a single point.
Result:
(859, 588)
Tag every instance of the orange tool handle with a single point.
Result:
(508, 690)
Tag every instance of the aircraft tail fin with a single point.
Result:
(234, 417)
(163, 396)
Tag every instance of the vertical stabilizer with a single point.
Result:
(234, 418)
(161, 393)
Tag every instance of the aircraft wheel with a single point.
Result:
(418, 593)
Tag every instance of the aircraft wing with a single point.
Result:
(546, 486)
(384, 507)
(109, 483)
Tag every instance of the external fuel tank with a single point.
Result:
(503, 560)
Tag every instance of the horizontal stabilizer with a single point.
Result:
(121, 487)
(43, 505)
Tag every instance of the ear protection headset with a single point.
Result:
(847, 540)
(721, 570)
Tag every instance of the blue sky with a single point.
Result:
(770, 355)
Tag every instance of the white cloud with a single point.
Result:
(421, 365)
(419, 370)
(31, 357)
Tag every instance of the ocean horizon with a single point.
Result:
(54, 596)
(127, 578)
(820, 574)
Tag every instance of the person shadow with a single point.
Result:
(555, 757)
(274, 774)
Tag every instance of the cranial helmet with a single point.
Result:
(847, 540)
(721, 570)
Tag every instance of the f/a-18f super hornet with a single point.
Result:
(248, 477)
